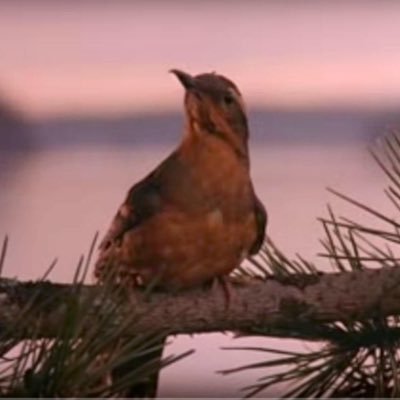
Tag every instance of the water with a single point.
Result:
(53, 200)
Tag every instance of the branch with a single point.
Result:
(270, 305)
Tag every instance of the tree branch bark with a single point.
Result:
(270, 305)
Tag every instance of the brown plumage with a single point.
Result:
(196, 216)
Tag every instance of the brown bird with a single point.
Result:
(196, 217)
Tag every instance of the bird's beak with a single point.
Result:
(184, 78)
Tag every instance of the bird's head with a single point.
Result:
(214, 106)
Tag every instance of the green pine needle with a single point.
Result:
(358, 359)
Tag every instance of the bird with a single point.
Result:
(196, 216)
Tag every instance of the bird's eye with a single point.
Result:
(228, 99)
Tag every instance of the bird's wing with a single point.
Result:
(261, 223)
(142, 202)
(148, 198)
(145, 199)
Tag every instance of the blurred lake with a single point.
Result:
(62, 180)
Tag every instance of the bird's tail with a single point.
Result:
(150, 360)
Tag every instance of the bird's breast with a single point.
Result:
(206, 225)
(215, 218)
(219, 180)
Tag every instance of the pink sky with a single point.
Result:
(75, 57)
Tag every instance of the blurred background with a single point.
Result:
(87, 107)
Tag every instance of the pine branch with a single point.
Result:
(359, 358)
(275, 306)
(355, 312)
(79, 359)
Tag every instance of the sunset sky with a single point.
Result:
(105, 57)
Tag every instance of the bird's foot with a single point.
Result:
(227, 287)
